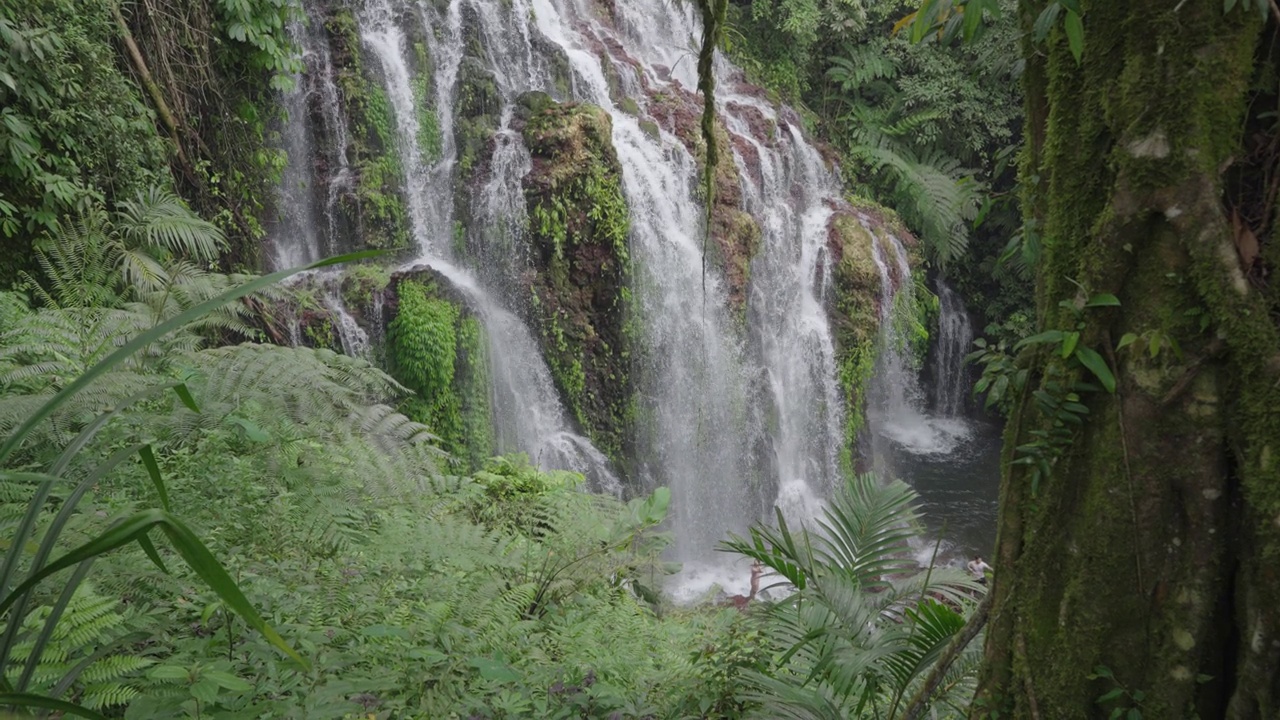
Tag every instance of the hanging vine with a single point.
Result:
(713, 14)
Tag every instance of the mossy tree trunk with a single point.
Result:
(1153, 546)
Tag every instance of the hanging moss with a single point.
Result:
(855, 318)
(438, 352)
(578, 231)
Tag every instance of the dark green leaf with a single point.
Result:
(1046, 337)
(188, 546)
(150, 549)
(1044, 22)
(153, 470)
(185, 396)
(1103, 300)
(1126, 340)
(1092, 360)
(48, 703)
(1075, 36)
(1111, 695)
(1069, 342)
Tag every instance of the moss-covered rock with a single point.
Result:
(436, 347)
(854, 314)
(735, 234)
(578, 234)
(375, 205)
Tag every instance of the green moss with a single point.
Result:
(439, 351)
(429, 140)
(856, 320)
(423, 352)
(472, 384)
(319, 333)
(360, 282)
(581, 304)
(376, 208)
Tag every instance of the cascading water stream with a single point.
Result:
(353, 339)
(897, 412)
(315, 140)
(955, 335)
(529, 416)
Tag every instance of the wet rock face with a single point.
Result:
(735, 234)
(580, 274)
(854, 312)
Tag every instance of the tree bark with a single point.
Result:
(1152, 548)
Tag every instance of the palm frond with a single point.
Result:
(159, 223)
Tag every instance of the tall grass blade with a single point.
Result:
(48, 703)
(193, 551)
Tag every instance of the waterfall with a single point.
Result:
(315, 140)
(739, 409)
(897, 411)
(955, 336)
(353, 339)
(529, 414)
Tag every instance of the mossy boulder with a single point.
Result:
(437, 348)
(854, 313)
(579, 282)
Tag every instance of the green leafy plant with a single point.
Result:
(20, 579)
(1059, 400)
(862, 624)
(1125, 704)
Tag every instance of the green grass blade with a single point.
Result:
(51, 537)
(211, 571)
(153, 470)
(113, 537)
(30, 477)
(150, 549)
(48, 703)
(185, 396)
(86, 434)
(188, 546)
(15, 439)
(9, 570)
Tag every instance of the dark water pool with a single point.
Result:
(955, 466)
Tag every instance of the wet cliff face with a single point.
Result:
(580, 273)
(542, 161)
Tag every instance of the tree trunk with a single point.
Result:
(1152, 547)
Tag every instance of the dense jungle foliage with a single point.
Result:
(201, 522)
(295, 501)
